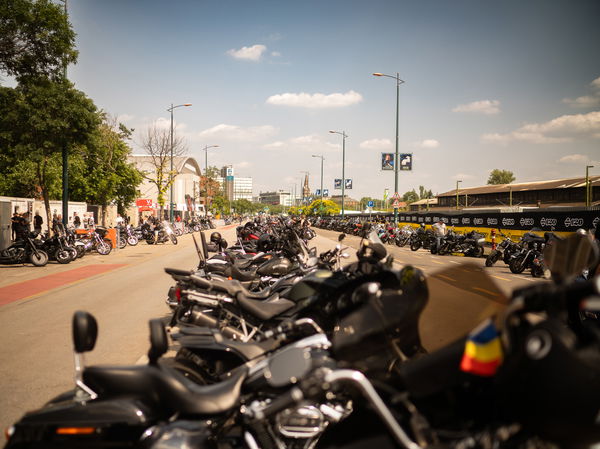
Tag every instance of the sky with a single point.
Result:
(513, 85)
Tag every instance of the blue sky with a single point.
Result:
(512, 85)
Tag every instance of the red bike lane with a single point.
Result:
(26, 289)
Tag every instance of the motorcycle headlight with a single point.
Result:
(482, 240)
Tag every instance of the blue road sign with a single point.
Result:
(318, 192)
(371, 203)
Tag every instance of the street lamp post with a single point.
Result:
(588, 186)
(396, 161)
(322, 159)
(171, 187)
(344, 135)
(457, 194)
(206, 177)
(65, 159)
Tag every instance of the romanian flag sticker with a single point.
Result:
(483, 351)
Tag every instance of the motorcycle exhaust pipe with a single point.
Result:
(201, 319)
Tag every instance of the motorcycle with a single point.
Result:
(422, 238)
(165, 233)
(505, 249)
(25, 250)
(469, 244)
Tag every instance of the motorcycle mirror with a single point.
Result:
(341, 237)
(288, 366)
(85, 331)
(345, 255)
(158, 341)
(569, 257)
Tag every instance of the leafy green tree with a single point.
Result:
(220, 205)
(242, 206)
(42, 117)
(410, 197)
(325, 207)
(36, 39)
(209, 186)
(108, 175)
(424, 193)
(498, 176)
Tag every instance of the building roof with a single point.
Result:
(424, 201)
(568, 183)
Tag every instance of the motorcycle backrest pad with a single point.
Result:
(569, 257)
(85, 331)
(158, 340)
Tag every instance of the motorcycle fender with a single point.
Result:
(196, 343)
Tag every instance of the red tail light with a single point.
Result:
(178, 294)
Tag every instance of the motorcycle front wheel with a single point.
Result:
(62, 256)
(415, 245)
(122, 242)
(517, 265)
(133, 240)
(173, 239)
(444, 249)
(104, 248)
(40, 259)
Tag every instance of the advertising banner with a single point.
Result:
(325, 192)
(143, 203)
(337, 184)
(406, 161)
(387, 161)
(348, 184)
(318, 192)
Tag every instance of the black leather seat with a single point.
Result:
(264, 309)
(232, 287)
(165, 387)
(178, 272)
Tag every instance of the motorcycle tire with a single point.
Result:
(479, 252)
(104, 248)
(80, 251)
(492, 258)
(173, 239)
(443, 250)
(132, 241)
(40, 260)
(122, 242)
(537, 272)
(415, 246)
(517, 266)
(403, 243)
(62, 256)
(74, 253)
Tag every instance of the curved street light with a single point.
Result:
(344, 135)
(171, 188)
(396, 162)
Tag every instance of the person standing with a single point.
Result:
(14, 225)
(119, 220)
(439, 230)
(91, 222)
(76, 220)
(38, 221)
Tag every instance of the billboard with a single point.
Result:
(318, 192)
(348, 184)
(387, 161)
(325, 192)
(406, 161)
(337, 184)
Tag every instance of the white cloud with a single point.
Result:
(565, 128)
(125, 118)
(377, 144)
(428, 143)
(311, 142)
(316, 101)
(239, 133)
(487, 107)
(244, 164)
(574, 158)
(586, 101)
(252, 53)
(275, 54)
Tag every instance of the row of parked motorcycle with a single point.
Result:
(65, 245)
(277, 346)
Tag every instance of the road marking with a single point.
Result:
(485, 291)
(439, 263)
(445, 277)
(26, 289)
(454, 261)
(498, 277)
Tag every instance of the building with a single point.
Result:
(423, 204)
(186, 186)
(280, 197)
(349, 203)
(234, 187)
(568, 192)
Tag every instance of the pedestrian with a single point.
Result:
(439, 229)
(14, 224)
(37, 223)
(76, 220)
(91, 222)
(119, 220)
(22, 227)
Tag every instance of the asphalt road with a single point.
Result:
(36, 350)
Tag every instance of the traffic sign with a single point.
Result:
(370, 203)
(396, 204)
(396, 196)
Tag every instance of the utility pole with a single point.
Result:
(457, 203)
(65, 156)
(588, 186)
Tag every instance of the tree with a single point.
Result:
(39, 119)
(36, 39)
(498, 176)
(242, 206)
(325, 207)
(209, 186)
(108, 176)
(424, 193)
(220, 205)
(157, 143)
(410, 196)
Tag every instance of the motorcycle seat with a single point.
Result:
(165, 387)
(246, 350)
(232, 287)
(178, 272)
(264, 309)
(239, 275)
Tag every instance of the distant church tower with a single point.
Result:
(305, 187)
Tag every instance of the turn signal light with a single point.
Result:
(75, 430)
